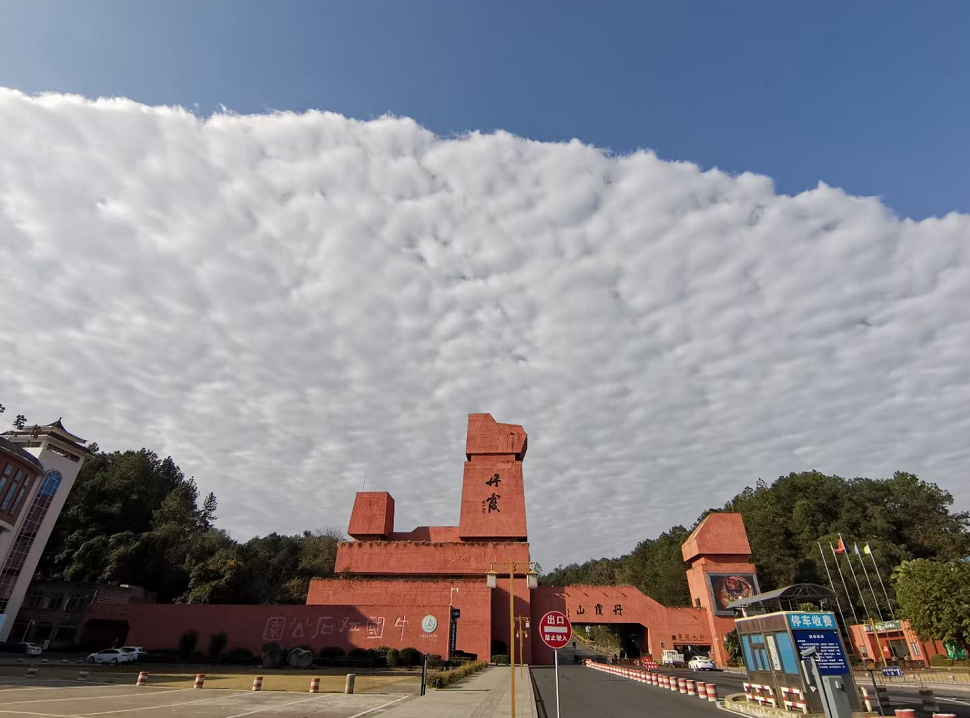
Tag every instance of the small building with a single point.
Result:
(52, 612)
(38, 466)
(893, 643)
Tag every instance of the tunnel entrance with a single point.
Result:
(620, 640)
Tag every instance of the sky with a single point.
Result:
(300, 290)
(870, 97)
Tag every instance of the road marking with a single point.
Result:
(283, 705)
(25, 713)
(358, 715)
(167, 705)
(132, 694)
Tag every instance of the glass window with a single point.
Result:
(746, 647)
(914, 648)
(3, 482)
(787, 653)
(19, 476)
(20, 497)
(8, 470)
(9, 496)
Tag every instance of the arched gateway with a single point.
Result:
(399, 589)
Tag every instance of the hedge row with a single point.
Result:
(500, 660)
(446, 678)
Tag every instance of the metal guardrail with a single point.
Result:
(916, 678)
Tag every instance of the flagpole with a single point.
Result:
(855, 578)
(855, 549)
(848, 596)
(828, 573)
(879, 576)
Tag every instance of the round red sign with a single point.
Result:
(555, 629)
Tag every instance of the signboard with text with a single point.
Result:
(555, 630)
(804, 620)
(830, 656)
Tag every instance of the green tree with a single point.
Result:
(732, 644)
(935, 597)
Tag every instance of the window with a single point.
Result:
(914, 648)
(748, 657)
(55, 601)
(8, 470)
(787, 653)
(75, 602)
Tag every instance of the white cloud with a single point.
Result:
(284, 302)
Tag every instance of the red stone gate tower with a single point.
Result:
(396, 588)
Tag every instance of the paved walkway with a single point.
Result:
(484, 695)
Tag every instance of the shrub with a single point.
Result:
(357, 653)
(393, 657)
(217, 643)
(940, 661)
(382, 651)
(411, 657)
(188, 642)
(239, 656)
(499, 647)
(273, 655)
(434, 661)
(332, 652)
(501, 659)
(446, 678)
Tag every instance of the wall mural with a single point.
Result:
(729, 587)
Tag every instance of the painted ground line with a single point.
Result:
(156, 707)
(25, 713)
(133, 694)
(283, 705)
(385, 705)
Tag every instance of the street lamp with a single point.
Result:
(532, 580)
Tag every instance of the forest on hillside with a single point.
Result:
(134, 518)
(902, 518)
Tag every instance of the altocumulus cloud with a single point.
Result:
(284, 302)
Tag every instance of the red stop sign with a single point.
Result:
(555, 629)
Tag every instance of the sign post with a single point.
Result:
(555, 630)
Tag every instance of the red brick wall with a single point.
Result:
(406, 558)
(379, 615)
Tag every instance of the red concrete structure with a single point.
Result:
(396, 588)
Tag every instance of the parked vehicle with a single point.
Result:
(20, 647)
(111, 655)
(700, 663)
(672, 658)
(137, 651)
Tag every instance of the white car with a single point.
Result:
(137, 651)
(33, 649)
(699, 663)
(111, 655)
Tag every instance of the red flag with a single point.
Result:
(841, 547)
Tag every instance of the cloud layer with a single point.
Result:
(285, 303)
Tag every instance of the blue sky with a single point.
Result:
(870, 97)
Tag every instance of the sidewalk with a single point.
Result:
(484, 695)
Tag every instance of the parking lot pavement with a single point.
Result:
(61, 699)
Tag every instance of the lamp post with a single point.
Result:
(532, 580)
(521, 624)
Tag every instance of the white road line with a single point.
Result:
(24, 713)
(282, 705)
(132, 694)
(167, 705)
(358, 715)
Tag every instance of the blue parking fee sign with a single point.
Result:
(830, 656)
(892, 672)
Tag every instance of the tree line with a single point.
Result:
(135, 518)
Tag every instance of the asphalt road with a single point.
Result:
(901, 697)
(584, 692)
